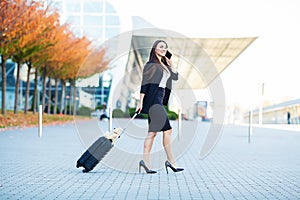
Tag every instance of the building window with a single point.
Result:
(109, 8)
(76, 30)
(74, 20)
(89, 20)
(57, 5)
(93, 33)
(93, 7)
(72, 6)
(112, 20)
(111, 32)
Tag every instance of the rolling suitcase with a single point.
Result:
(94, 154)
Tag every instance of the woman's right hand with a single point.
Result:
(139, 108)
(171, 64)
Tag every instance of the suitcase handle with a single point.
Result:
(132, 118)
(118, 131)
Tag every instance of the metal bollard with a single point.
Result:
(110, 129)
(179, 123)
(250, 126)
(40, 120)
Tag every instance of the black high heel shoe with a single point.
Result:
(142, 164)
(168, 164)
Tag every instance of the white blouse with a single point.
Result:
(165, 77)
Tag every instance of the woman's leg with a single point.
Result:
(148, 146)
(167, 140)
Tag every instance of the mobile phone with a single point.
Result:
(168, 54)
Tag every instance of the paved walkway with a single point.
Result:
(44, 168)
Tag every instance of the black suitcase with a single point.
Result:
(94, 154)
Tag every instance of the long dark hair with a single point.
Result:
(153, 58)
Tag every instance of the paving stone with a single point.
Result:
(44, 168)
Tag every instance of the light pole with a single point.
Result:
(261, 100)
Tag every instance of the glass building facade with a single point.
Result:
(95, 19)
(99, 21)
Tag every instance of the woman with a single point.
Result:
(156, 86)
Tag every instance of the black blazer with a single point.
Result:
(152, 75)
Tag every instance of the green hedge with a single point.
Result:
(118, 113)
(99, 107)
(84, 111)
(172, 115)
(140, 116)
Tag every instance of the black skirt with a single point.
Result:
(157, 117)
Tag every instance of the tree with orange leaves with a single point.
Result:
(78, 51)
(84, 62)
(42, 40)
(32, 34)
(37, 22)
(93, 64)
(10, 14)
(20, 34)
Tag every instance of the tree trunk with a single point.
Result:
(17, 88)
(35, 93)
(74, 97)
(49, 96)
(3, 65)
(44, 89)
(56, 96)
(66, 103)
(27, 88)
(71, 97)
(62, 97)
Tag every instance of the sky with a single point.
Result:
(272, 59)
